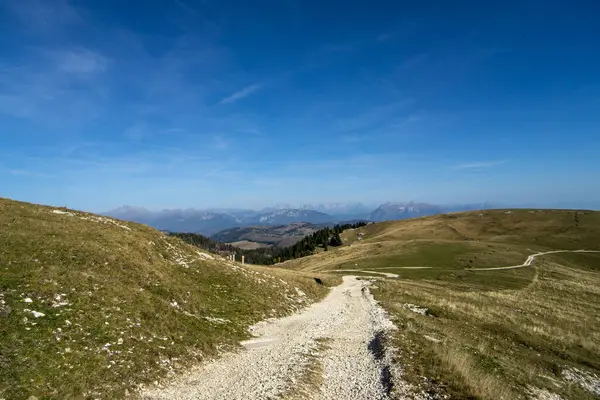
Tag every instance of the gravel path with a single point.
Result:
(332, 350)
(531, 259)
(386, 274)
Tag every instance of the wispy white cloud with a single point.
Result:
(384, 37)
(245, 92)
(172, 131)
(373, 116)
(42, 16)
(47, 85)
(251, 130)
(355, 45)
(478, 165)
(343, 47)
(64, 71)
(108, 160)
(219, 142)
(414, 61)
(410, 119)
(136, 132)
(183, 6)
(80, 62)
(354, 138)
(30, 174)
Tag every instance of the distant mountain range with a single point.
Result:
(288, 216)
(395, 211)
(190, 220)
(212, 221)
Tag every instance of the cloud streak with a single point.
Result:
(478, 165)
(81, 62)
(44, 17)
(372, 117)
(384, 37)
(245, 92)
(53, 86)
(30, 174)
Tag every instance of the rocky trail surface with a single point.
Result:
(531, 259)
(334, 349)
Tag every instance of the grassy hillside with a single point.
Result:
(546, 228)
(91, 306)
(511, 334)
(453, 243)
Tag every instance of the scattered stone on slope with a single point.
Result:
(417, 309)
(587, 380)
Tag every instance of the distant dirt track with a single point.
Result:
(527, 263)
(531, 258)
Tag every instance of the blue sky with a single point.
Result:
(181, 103)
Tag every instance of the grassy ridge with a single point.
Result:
(458, 241)
(495, 343)
(564, 229)
(91, 306)
(502, 334)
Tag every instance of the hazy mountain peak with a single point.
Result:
(289, 215)
(403, 210)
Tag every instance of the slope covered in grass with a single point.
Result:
(565, 229)
(519, 333)
(92, 306)
(501, 334)
(459, 241)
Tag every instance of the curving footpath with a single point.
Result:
(527, 263)
(531, 258)
(386, 274)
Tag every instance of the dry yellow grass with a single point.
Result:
(496, 343)
(483, 385)
(489, 334)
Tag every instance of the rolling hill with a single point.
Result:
(478, 317)
(521, 230)
(92, 306)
